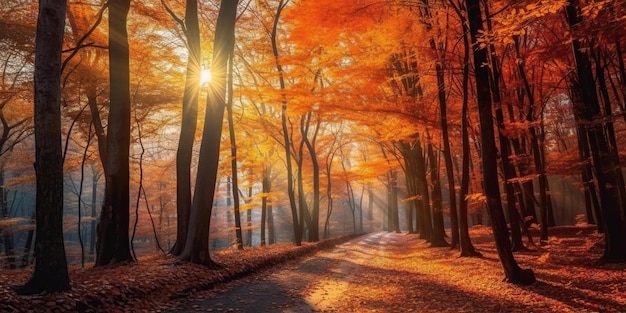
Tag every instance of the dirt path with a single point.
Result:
(316, 283)
(388, 272)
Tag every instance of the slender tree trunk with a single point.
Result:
(297, 230)
(329, 196)
(270, 225)
(505, 148)
(606, 170)
(426, 225)
(441, 92)
(94, 203)
(50, 273)
(197, 245)
(467, 248)
(513, 272)
(188, 124)
(315, 212)
(266, 187)
(233, 155)
(587, 177)
(7, 239)
(439, 234)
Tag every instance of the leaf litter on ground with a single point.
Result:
(570, 278)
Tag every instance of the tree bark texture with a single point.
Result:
(113, 244)
(50, 273)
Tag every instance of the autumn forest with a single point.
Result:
(182, 127)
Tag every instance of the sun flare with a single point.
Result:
(205, 77)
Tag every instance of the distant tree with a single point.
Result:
(113, 244)
(233, 155)
(51, 273)
(439, 233)
(297, 229)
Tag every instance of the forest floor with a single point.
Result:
(379, 272)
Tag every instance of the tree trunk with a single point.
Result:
(513, 272)
(197, 245)
(266, 188)
(426, 225)
(439, 233)
(7, 238)
(50, 273)
(587, 176)
(297, 230)
(94, 203)
(233, 155)
(232, 189)
(606, 169)
(505, 149)
(467, 248)
(188, 125)
(315, 213)
(113, 239)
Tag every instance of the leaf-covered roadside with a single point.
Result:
(148, 284)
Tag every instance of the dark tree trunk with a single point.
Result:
(426, 225)
(370, 203)
(537, 152)
(197, 244)
(513, 272)
(270, 225)
(188, 124)
(113, 239)
(50, 273)
(7, 238)
(439, 233)
(587, 171)
(232, 189)
(395, 215)
(94, 203)
(315, 213)
(606, 169)
(305, 216)
(233, 156)
(437, 47)
(329, 195)
(297, 230)
(466, 246)
(266, 188)
(505, 149)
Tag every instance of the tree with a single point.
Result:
(51, 273)
(197, 246)
(297, 229)
(607, 171)
(191, 29)
(512, 271)
(113, 240)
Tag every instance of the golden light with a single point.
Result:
(205, 77)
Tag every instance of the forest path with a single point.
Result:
(398, 272)
(322, 282)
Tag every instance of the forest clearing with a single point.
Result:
(391, 272)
